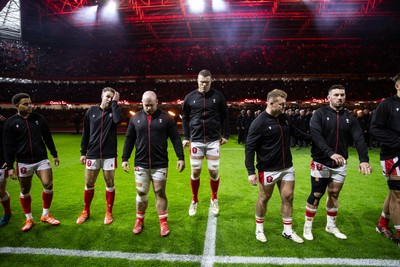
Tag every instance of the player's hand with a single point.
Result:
(125, 166)
(223, 141)
(252, 179)
(83, 160)
(185, 143)
(365, 168)
(116, 96)
(339, 159)
(11, 174)
(180, 165)
(56, 162)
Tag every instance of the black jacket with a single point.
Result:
(205, 117)
(331, 133)
(25, 140)
(385, 127)
(99, 136)
(269, 138)
(150, 133)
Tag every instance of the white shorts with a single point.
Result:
(319, 170)
(105, 164)
(143, 175)
(3, 175)
(270, 178)
(27, 170)
(198, 149)
(387, 166)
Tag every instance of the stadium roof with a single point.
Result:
(242, 21)
(10, 21)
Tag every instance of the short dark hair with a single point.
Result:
(16, 98)
(336, 86)
(396, 78)
(205, 73)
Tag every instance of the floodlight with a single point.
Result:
(219, 5)
(196, 6)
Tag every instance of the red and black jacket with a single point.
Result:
(150, 133)
(205, 117)
(25, 139)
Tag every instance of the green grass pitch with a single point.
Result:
(360, 204)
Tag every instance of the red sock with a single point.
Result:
(47, 198)
(26, 203)
(195, 184)
(310, 213)
(88, 197)
(140, 216)
(163, 216)
(110, 200)
(214, 188)
(6, 206)
(383, 222)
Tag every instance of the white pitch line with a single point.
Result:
(209, 242)
(197, 258)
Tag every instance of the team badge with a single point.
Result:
(160, 120)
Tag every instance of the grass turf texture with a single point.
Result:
(360, 204)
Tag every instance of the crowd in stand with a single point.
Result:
(52, 70)
(21, 60)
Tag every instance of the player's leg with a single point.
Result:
(318, 188)
(213, 159)
(264, 195)
(91, 174)
(332, 207)
(4, 198)
(25, 173)
(159, 178)
(286, 189)
(197, 153)
(394, 202)
(142, 178)
(45, 174)
(109, 177)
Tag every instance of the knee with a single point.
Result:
(314, 198)
(48, 186)
(141, 197)
(214, 175)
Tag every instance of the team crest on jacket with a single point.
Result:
(110, 115)
(347, 121)
(397, 109)
(327, 118)
(37, 122)
(160, 120)
(17, 125)
(138, 121)
(214, 100)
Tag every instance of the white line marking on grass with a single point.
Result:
(209, 243)
(196, 258)
(101, 254)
